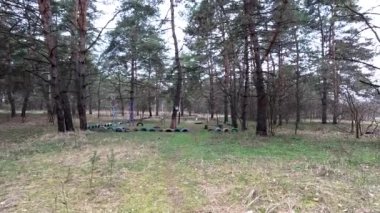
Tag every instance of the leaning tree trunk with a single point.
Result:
(177, 95)
(51, 45)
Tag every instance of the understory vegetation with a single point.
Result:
(319, 170)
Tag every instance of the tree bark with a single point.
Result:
(51, 44)
(67, 111)
(211, 80)
(281, 86)
(81, 71)
(226, 64)
(48, 102)
(262, 99)
(157, 105)
(177, 95)
(323, 71)
(244, 102)
(149, 91)
(11, 100)
(298, 76)
(132, 93)
(233, 102)
(10, 83)
(90, 100)
(333, 67)
(25, 104)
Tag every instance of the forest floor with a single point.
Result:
(319, 170)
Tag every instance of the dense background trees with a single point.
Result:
(271, 61)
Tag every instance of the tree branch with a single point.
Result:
(365, 19)
(101, 31)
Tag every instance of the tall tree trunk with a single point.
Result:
(281, 86)
(149, 91)
(333, 67)
(25, 104)
(65, 82)
(244, 102)
(51, 44)
(273, 93)
(157, 105)
(81, 71)
(225, 106)
(150, 108)
(122, 106)
(298, 76)
(226, 65)
(48, 101)
(323, 71)
(233, 102)
(132, 94)
(177, 95)
(262, 99)
(10, 83)
(90, 100)
(157, 94)
(11, 100)
(67, 111)
(211, 76)
(99, 100)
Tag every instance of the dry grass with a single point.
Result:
(318, 171)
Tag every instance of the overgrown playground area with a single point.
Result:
(319, 170)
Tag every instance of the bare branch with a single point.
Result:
(101, 31)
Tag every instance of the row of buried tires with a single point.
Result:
(218, 129)
(116, 127)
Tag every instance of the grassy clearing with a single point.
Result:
(319, 170)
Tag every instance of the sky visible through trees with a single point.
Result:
(108, 8)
